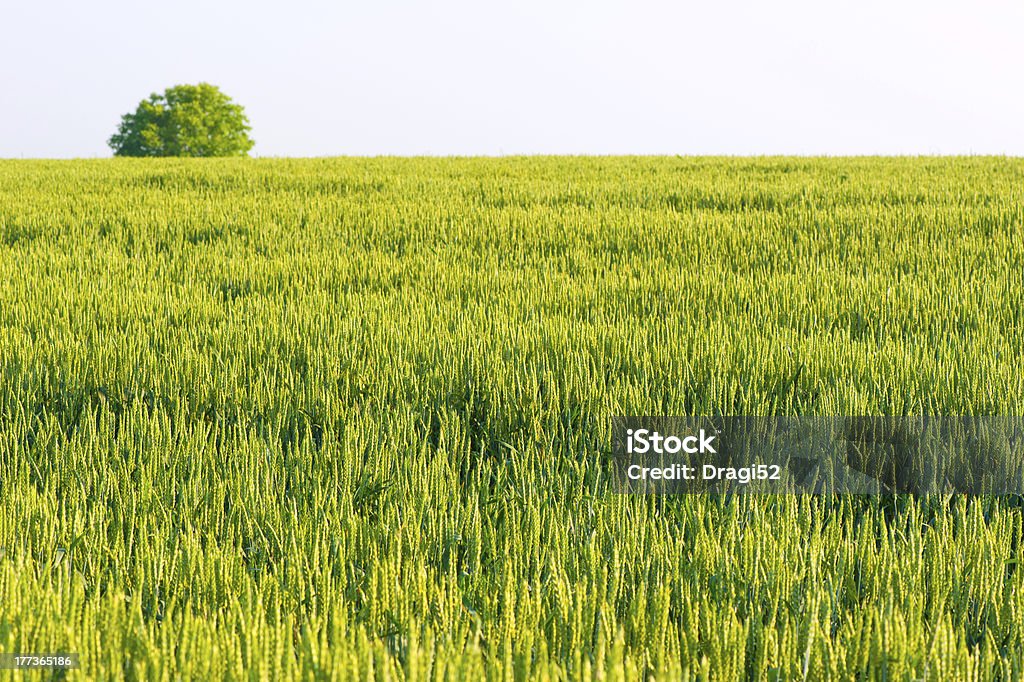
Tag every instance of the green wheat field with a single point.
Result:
(350, 418)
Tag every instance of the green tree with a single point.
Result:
(186, 120)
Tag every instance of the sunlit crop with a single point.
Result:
(342, 418)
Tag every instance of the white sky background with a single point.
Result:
(529, 76)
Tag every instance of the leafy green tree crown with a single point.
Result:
(186, 120)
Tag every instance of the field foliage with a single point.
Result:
(340, 418)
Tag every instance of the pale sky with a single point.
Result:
(529, 76)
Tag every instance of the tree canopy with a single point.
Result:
(186, 120)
